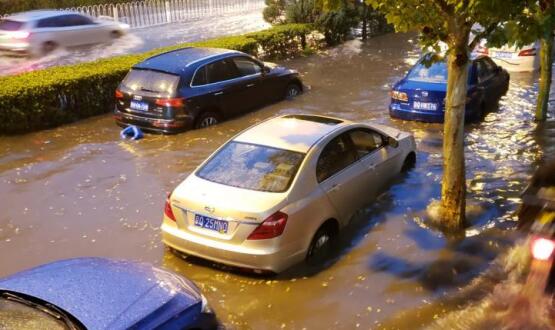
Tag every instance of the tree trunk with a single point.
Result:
(546, 62)
(453, 189)
(364, 21)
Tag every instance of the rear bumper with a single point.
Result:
(15, 49)
(426, 116)
(270, 259)
(155, 125)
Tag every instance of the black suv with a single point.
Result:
(198, 87)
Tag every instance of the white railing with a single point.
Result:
(146, 13)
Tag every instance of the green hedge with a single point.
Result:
(58, 95)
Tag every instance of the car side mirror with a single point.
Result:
(266, 69)
(392, 142)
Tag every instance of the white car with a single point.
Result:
(512, 58)
(39, 32)
(279, 192)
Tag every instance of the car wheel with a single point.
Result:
(292, 91)
(48, 47)
(115, 34)
(321, 245)
(409, 162)
(207, 119)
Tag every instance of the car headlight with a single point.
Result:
(401, 96)
(205, 308)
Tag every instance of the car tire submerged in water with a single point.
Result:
(292, 91)
(409, 163)
(207, 119)
(322, 244)
(48, 47)
(116, 34)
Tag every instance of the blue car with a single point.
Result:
(420, 95)
(96, 293)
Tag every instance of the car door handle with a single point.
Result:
(250, 85)
(218, 93)
(334, 187)
(372, 166)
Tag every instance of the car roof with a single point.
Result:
(38, 14)
(291, 132)
(179, 60)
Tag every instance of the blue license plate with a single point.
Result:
(213, 224)
(424, 106)
(503, 54)
(140, 106)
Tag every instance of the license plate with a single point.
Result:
(503, 54)
(424, 106)
(140, 106)
(213, 224)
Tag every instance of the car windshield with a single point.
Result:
(9, 25)
(253, 167)
(16, 313)
(429, 72)
(151, 81)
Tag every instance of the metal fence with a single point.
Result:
(146, 13)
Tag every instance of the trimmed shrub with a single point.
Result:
(58, 95)
(282, 40)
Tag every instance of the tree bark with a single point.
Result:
(364, 21)
(453, 189)
(546, 62)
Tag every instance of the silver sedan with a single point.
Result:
(279, 192)
(39, 32)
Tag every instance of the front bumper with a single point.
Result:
(22, 48)
(156, 125)
(425, 116)
(267, 259)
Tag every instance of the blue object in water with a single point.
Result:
(132, 132)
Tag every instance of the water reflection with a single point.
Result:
(78, 190)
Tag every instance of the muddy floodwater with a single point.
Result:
(79, 190)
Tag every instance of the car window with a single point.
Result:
(336, 156)
(253, 167)
(151, 81)
(485, 69)
(221, 70)
(78, 20)
(18, 315)
(9, 25)
(200, 77)
(246, 66)
(53, 22)
(434, 73)
(365, 141)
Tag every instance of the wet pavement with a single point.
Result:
(144, 39)
(79, 190)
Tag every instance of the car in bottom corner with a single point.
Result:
(279, 193)
(199, 87)
(98, 293)
(421, 94)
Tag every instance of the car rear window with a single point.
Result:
(9, 25)
(253, 167)
(151, 81)
(433, 73)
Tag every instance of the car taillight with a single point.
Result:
(401, 96)
(542, 248)
(119, 94)
(19, 34)
(168, 208)
(527, 52)
(173, 102)
(272, 227)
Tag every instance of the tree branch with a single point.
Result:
(444, 6)
(481, 35)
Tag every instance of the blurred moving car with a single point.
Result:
(199, 87)
(537, 214)
(39, 32)
(420, 95)
(97, 293)
(279, 192)
(512, 58)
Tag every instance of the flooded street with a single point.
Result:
(79, 190)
